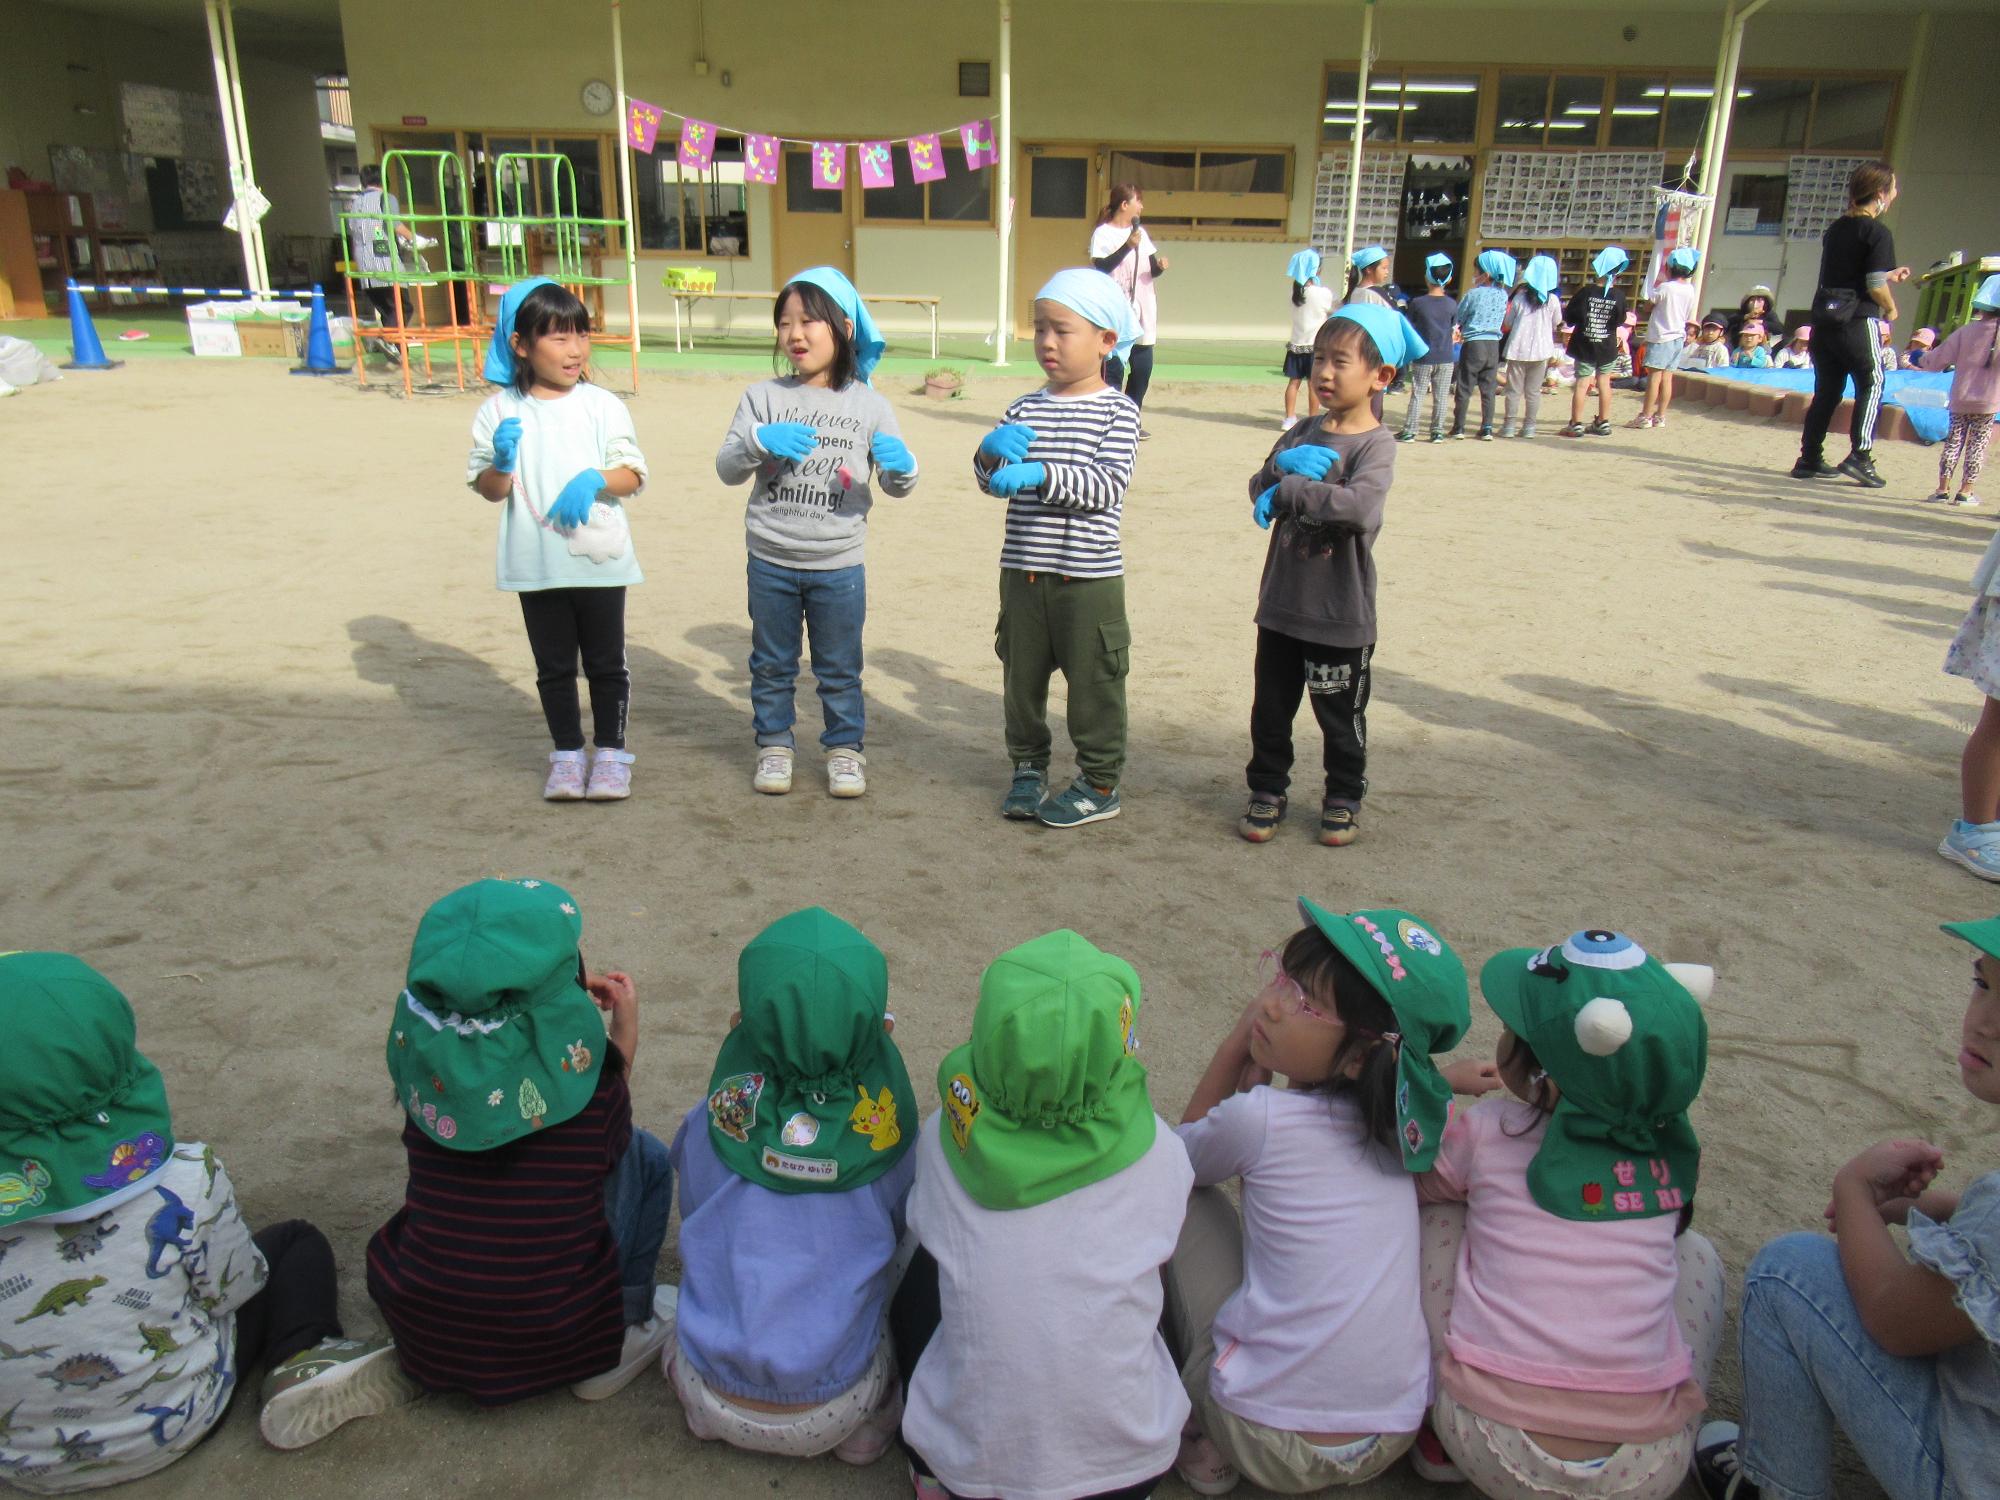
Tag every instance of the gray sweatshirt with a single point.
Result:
(1319, 573)
(814, 513)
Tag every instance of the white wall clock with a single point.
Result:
(598, 97)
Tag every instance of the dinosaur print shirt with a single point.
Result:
(118, 1333)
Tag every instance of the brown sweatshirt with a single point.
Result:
(1319, 574)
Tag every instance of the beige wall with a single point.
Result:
(1165, 73)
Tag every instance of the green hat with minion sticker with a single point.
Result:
(1047, 1097)
(494, 1035)
(809, 1094)
(1623, 1037)
(1423, 983)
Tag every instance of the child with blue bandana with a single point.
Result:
(1312, 305)
(1321, 494)
(1481, 312)
(1595, 314)
(560, 456)
(1666, 335)
(1534, 334)
(1062, 458)
(811, 442)
(1434, 315)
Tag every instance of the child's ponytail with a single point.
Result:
(1298, 294)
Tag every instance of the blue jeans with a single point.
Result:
(826, 606)
(637, 1194)
(1808, 1365)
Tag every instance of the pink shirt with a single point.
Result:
(1565, 1325)
(1975, 388)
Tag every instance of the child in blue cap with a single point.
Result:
(1432, 314)
(560, 457)
(1321, 494)
(1312, 305)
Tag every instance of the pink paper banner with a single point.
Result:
(642, 124)
(697, 144)
(926, 158)
(830, 164)
(878, 167)
(977, 138)
(760, 158)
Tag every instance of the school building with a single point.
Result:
(1484, 124)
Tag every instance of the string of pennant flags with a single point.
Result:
(829, 158)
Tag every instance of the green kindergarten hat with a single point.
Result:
(494, 1034)
(809, 1094)
(1983, 934)
(1047, 1097)
(1420, 978)
(1625, 1040)
(83, 1118)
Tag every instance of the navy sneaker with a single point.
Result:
(1718, 1472)
(1077, 804)
(1260, 823)
(1338, 824)
(1031, 784)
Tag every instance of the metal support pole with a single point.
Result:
(218, 55)
(1722, 111)
(1003, 313)
(1913, 90)
(625, 185)
(1360, 126)
(243, 138)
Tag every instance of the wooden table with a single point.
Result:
(929, 304)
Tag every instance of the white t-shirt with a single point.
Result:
(1134, 273)
(587, 429)
(1673, 310)
(1047, 1378)
(1326, 1334)
(1307, 316)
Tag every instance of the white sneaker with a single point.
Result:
(643, 1343)
(610, 776)
(877, 1431)
(845, 776)
(565, 783)
(1287, 424)
(774, 770)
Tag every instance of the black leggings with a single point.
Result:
(1134, 381)
(297, 1306)
(1841, 350)
(1336, 679)
(563, 623)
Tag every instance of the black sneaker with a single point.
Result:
(1860, 468)
(1599, 428)
(1143, 434)
(1338, 824)
(1486, 434)
(1406, 436)
(1717, 1471)
(1822, 470)
(1261, 821)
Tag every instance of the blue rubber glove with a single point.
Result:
(1009, 480)
(572, 507)
(1308, 459)
(1008, 442)
(1261, 512)
(787, 440)
(891, 454)
(507, 446)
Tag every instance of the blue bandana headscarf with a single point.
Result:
(1099, 299)
(1367, 256)
(500, 357)
(1303, 266)
(1396, 337)
(1498, 264)
(1609, 262)
(1437, 268)
(1685, 259)
(1541, 276)
(1987, 298)
(868, 344)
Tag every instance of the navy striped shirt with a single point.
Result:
(499, 1275)
(1069, 524)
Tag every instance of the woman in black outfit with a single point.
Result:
(1856, 269)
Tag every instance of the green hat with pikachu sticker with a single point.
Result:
(809, 1094)
(1423, 983)
(1047, 1097)
(83, 1116)
(494, 1035)
(1623, 1037)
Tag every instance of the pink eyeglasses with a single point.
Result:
(1292, 1000)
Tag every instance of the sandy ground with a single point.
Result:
(266, 706)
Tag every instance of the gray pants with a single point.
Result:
(1524, 386)
(1435, 379)
(1478, 364)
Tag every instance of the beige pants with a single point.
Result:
(876, 1399)
(1504, 1462)
(1205, 1272)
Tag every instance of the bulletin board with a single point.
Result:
(1816, 193)
(1378, 217)
(171, 122)
(1548, 195)
(115, 180)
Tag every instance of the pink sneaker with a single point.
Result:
(877, 1431)
(610, 776)
(565, 783)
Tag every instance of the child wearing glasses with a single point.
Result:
(1299, 1326)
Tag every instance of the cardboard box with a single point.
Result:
(264, 338)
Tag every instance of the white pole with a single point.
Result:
(1360, 126)
(625, 180)
(1718, 143)
(1006, 205)
(1715, 88)
(215, 52)
(1913, 88)
(235, 103)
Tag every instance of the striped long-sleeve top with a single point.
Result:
(1069, 523)
(499, 1275)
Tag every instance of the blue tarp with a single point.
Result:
(1921, 393)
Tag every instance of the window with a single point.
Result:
(1409, 105)
(1058, 187)
(975, 80)
(959, 197)
(701, 213)
(1852, 114)
(1539, 109)
(1771, 114)
(1523, 114)
(1439, 107)
(1636, 106)
(1221, 187)
(1576, 106)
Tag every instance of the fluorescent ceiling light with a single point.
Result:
(1592, 109)
(1648, 110)
(1373, 106)
(1689, 91)
(1439, 87)
(1568, 124)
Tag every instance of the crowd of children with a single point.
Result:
(1402, 1276)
